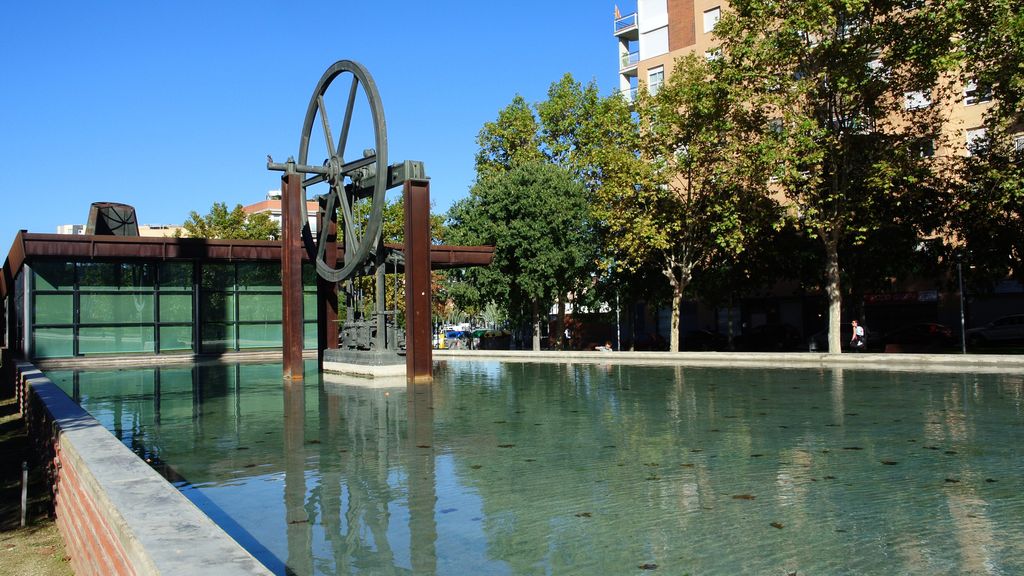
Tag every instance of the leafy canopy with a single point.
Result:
(536, 216)
(234, 224)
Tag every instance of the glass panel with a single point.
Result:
(175, 307)
(259, 307)
(175, 338)
(309, 336)
(309, 275)
(115, 339)
(115, 308)
(218, 307)
(54, 308)
(218, 276)
(260, 336)
(218, 337)
(108, 276)
(176, 276)
(54, 275)
(53, 342)
(309, 306)
(93, 275)
(259, 276)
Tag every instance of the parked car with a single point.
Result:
(818, 342)
(1003, 331)
(769, 338)
(921, 337)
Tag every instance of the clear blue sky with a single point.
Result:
(171, 106)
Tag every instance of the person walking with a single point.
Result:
(857, 341)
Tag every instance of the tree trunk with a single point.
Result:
(677, 305)
(560, 324)
(835, 297)
(535, 320)
(678, 284)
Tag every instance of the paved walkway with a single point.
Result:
(910, 362)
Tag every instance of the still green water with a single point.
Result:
(590, 469)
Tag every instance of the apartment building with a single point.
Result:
(658, 32)
(272, 205)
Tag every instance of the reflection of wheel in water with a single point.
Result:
(367, 175)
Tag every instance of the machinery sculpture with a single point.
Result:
(352, 195)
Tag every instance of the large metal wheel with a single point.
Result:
(365, 176)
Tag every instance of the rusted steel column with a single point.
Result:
(327, 292)
(291, 274)
(418, 361)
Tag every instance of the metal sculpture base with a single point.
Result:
(365, 363)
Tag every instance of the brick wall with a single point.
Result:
(87, 534)
(116, 514)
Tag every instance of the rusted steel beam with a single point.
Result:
(443, 257)
(29, 245)
(418, 356)
(291, 274)
(118, 247)
(327, 292)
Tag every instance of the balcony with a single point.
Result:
(628, 61)
(629, 95)
(626, 27)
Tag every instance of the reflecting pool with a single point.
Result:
(510, 468)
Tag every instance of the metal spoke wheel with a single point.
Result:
(359, 178)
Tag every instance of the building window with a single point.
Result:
(655, 77)
(976, 140)
(711, 17)
(1018, 144)
(973, 94)
(925, 148)
(916, 100)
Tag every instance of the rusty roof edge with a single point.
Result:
(29, 244)
(13, 263)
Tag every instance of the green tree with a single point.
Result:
(509, 141)
(675, 195)
(234, 224)
(845, 85)
(987, 212)
(990, 41)
(519, 137)
(536, 217)
(987, 215)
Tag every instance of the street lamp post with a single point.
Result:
(963, 327)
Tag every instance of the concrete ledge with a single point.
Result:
(343, 380)
(909, 362)
(146, 525)
(365, 370)
(163, 359)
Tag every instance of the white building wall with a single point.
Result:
(652, 21)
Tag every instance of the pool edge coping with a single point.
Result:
(160, 530)
(919, 362)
